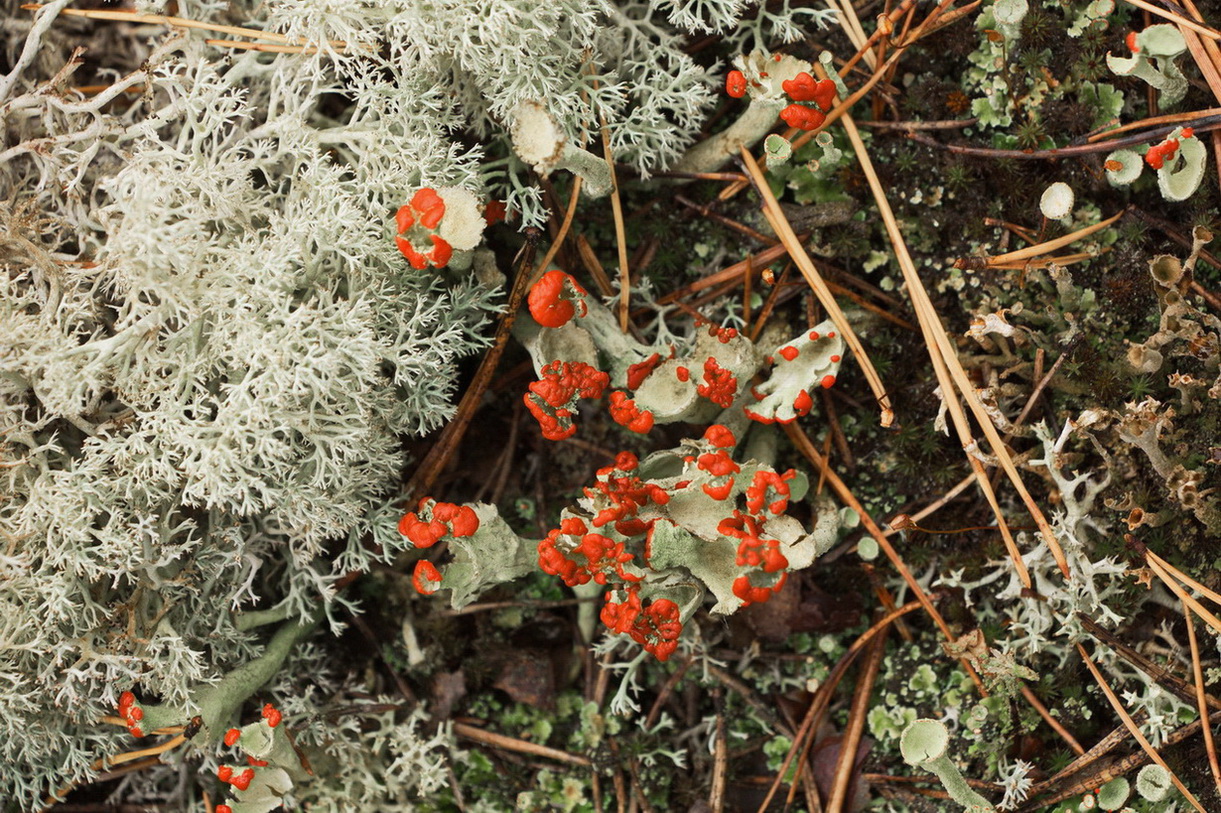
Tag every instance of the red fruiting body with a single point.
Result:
(682, 374)
(804, 88)
(1158, 153)
(494, 212)
(415, 222)
(258, 763)
(242, 780)
(135, 731)
(802, 118)
(625, 413)
(720, 436)
(430, 207)
(125, 701)
(720, 387)
(445, 519)
(271, 715)
(224, 809)
(425, 578)
(551, 398)
(232, 736)
(813, 335)
(224, 773)
(1130, 41)
(789, 353)
(802, 403)
(637, 373)
(735, 84)
(835, 359)
(757, 494)
(551, 299)
(828, 381)
(1188, 132)
(135, 714)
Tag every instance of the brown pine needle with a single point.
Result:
(945, 361)
(1197, 672)
(950, 373)
(802, 441)
(179, 22)
(1052, 722)
(625, 276)
(554, 248)
(1155, 121)
(1134, 730)
(784, 230)
(1031, 252)
(263, 46)
(108, 762)
(845, 765)
(1174, 18)
(1200, 609)
(1183, 577)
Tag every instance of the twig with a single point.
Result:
(495, 740)
(856, 725)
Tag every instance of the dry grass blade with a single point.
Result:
(945, 360)
(1133, 730)
(784, 230)
(1156, 121)
(1197, 672)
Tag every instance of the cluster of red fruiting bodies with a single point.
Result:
(131, 713)
(578, 554)
(242, 779)
(427, 525)
(801, 88)
(416, 226)
(1158, 154)
(613, 548)
(555, 300)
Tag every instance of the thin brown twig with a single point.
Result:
(495, 740)
(1175, 18)
(845, 765)
(1052, 722)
